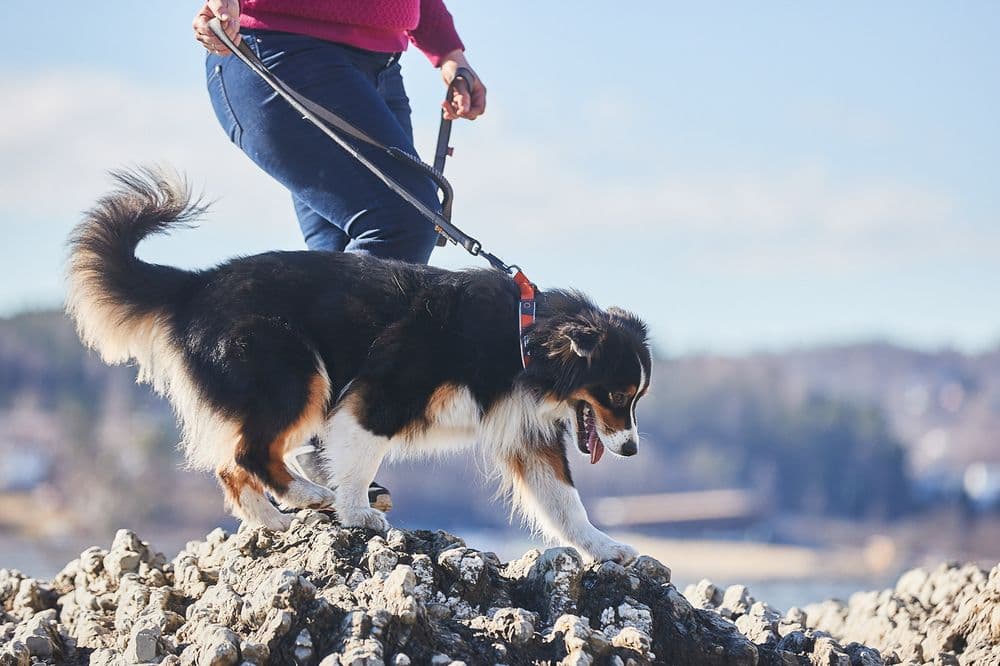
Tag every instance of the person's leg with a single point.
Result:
(317, 171)
(389, 84)
(390, 87)
(317, 231)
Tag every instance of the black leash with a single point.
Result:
(330, 124)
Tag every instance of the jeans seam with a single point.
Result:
(237, 127)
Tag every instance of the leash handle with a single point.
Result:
(463, 76)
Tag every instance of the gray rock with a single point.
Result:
(319, 593)
(652, 569)
(15, 653)
(142, 645)
(704, 594)
(555, 578)
(736, 601)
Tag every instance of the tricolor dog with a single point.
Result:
(263, 354)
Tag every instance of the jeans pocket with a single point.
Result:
(220, 103)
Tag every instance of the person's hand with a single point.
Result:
(228, 12)
(468, 103)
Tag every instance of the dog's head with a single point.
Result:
(598, 362)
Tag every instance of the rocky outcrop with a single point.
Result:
(947, 616)
(950, 615)
(322, 594)
(319, 593)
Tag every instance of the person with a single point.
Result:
(344, 56)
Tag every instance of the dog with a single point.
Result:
(263, 354)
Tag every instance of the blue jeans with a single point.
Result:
(340, 204)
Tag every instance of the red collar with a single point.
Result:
(526, 313)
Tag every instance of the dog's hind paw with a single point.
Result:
(366, 517)
(277, 521)
(303, 494)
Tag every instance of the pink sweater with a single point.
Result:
(376, 25)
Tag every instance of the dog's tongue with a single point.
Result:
(595, 445)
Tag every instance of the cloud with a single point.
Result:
(765, 221)
(62, 130)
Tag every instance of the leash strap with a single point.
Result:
(526, 313)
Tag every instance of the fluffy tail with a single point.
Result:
(116, 299)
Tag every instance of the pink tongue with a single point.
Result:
(595, 445)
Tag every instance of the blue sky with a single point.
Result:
(743, 176)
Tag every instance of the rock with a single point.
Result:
(15, 653)
(319, 593)
(651, 569)
(704, 594)
(142, 645)
(736, 601)
(216, 646)
(42, 638)
(303, 649)
(513, 625)
(827, 653)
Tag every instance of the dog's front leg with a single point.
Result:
(543, 490)
(351, 458)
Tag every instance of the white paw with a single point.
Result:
(366, 517)
(609, 550)
(303, 494)
(277, 521)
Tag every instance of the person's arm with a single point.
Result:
(228, 12)
(437, 38)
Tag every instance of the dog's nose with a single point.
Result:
(629, 448)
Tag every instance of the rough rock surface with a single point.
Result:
(947, 616)
(319, 593)
(322, 594)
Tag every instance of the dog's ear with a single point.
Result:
(578, 338)
(626, 319)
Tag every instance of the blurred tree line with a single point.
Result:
(727, 425)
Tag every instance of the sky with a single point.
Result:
(744, 176)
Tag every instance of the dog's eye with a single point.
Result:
(618, 398)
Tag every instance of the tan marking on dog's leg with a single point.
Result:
(246, 500)
(553, 507)
(296, 490)
(553, 457)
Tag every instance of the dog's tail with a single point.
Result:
(117, 300)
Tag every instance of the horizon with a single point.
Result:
(749, 181)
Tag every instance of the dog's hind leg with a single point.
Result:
(269, 443)
(276, 391)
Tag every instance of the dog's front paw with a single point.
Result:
(609, 550)
(366, 517)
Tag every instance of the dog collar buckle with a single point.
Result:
(526, 313)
